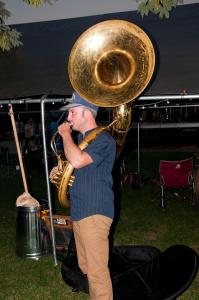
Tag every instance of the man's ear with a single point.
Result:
(87, 112)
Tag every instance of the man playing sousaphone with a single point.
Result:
(110, 64)
(91, 195)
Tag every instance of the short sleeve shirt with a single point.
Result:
(91, 192)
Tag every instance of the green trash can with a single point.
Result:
(29, 236)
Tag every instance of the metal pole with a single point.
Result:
(43, 100)
(68, 99)
(153, 125)
(170, 97)
(138, 141)
(29, 100)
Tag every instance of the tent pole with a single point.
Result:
(43, 100)
(138, 141)
(64, 99)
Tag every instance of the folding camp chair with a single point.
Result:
(175, 175)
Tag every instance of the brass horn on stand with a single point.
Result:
(110, 64)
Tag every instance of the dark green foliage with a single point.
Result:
(10, 37)
(162, 8)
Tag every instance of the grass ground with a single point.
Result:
(141, 222)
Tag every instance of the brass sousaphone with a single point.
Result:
(110, 64)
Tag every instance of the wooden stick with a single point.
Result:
(18, 148)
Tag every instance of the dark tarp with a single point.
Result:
(40, 66)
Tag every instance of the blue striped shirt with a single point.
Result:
(91, 192)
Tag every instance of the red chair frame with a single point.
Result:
(175, 174)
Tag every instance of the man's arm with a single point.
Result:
(77, 158)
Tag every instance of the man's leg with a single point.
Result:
(79, 247)
(94, 232)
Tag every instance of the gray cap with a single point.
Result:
(78, 101)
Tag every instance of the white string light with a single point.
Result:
(163, 104)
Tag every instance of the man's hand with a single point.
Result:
(64, 128)
(53, 172)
